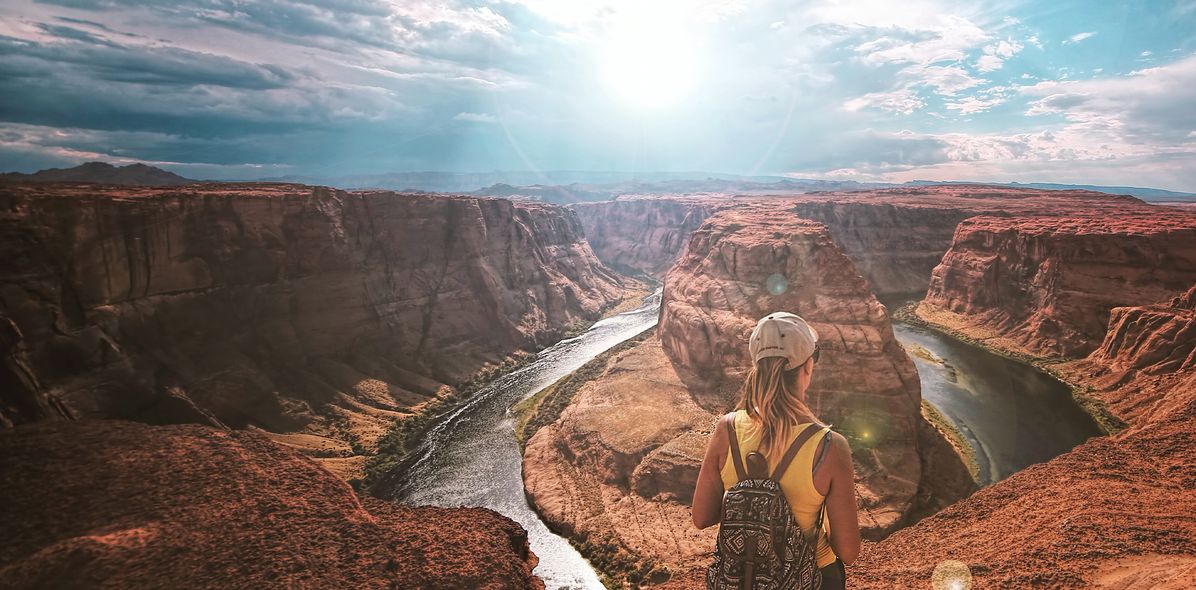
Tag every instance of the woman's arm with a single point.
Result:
(840, 501)
(707, 503)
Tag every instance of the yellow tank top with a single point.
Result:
(797, 482)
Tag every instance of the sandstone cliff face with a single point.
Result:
(282, 307)
(644, 234)
(894, 246)
(1045, 285)
(108, 504)
(865, 383)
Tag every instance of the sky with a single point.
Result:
(1072, 91)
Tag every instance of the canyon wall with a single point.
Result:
(894, 246)
(644, 234)
(1045, 285)
(283, 307)
(111, 504)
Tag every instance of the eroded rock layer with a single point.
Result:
(108, 504)
(284, 307)
(642, 234)
(1045, 285)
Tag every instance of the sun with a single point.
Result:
(649, 62)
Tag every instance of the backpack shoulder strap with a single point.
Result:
(793, 449)
(733, 439)
(825, 443)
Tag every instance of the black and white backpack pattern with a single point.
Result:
(760, 545)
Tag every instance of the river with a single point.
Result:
(471, 458)
(1012, 414)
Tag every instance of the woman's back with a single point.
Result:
(797, 482)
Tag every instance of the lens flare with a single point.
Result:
(776, 284)
(951, 575)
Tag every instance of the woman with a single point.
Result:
(772, 412)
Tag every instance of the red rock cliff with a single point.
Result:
(1045, 284)
(285, 307)
(644, 234)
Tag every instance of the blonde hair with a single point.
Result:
(771, 398)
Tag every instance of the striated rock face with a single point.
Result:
(644, 235)
(746, 262)
(284, 307)
(893, 245)
(1045, 285)
(113, 504)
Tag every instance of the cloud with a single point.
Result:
(970, 105)
(475, 117)
(904, 101)
(995, 55)
(1078, 37)
(1149, 107)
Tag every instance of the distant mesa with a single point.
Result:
(103, 173)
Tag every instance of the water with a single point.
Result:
(471, 457)
(1012, 414)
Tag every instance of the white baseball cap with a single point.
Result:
(783, 334)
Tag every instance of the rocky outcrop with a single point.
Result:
(643, 234)
(107, 504)
(1045, 285)
(288, 308)
(746, 262)
(616, 471)
(1135, 369)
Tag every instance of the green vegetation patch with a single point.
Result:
(945, 426)
(545, 406)
(405, 434)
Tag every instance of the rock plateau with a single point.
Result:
(110, 504)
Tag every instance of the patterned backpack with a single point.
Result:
(760, 545)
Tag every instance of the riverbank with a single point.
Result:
(388, 462)
(915, 314)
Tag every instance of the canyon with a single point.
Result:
(317, 315)
(616, 468)
(318, 319)
(1112, 273)
(254, 333)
